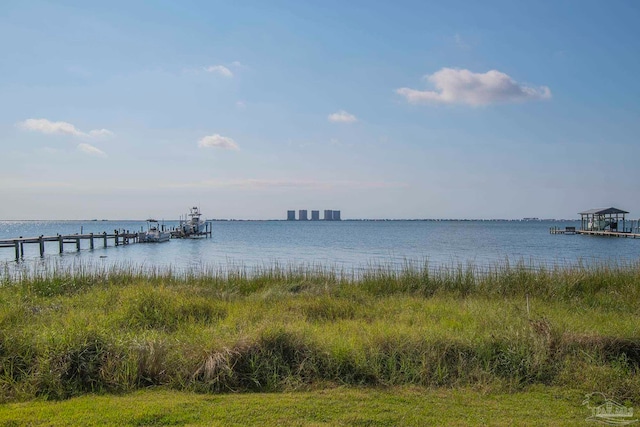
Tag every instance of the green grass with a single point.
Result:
(405, 406)
(67, 332)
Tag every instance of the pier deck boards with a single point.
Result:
(118, 238)
(566, 230)
(557, 230)
(608, 233)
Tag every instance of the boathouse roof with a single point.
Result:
(604, 211)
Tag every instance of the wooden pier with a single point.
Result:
(118, 238)
(566, 230)
(572, 230)
(609, 233)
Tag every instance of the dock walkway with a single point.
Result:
(118, 238)
(609, 233)
(566, 230)
(572, 230)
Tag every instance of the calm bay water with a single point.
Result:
(349, 245)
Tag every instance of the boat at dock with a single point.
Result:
(153, 234)
(192, 225)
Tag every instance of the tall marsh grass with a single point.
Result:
(65, 331)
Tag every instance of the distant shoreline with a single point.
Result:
(310, 221)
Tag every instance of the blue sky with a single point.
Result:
(459, 109)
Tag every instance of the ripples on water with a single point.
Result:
(347, 246)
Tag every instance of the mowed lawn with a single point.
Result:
(396, 406)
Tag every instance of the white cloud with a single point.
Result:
(91, 150)
(219, 69)
(60, 128)
(455, 86)
(342, 117)
(218, 141)
(100, 133)
(241, 105)
(49, 127)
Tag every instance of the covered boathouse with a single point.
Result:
(603, 222)
(604, 219)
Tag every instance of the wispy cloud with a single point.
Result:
(454, 86)
(91, 150)
(36, 185)
(252, 184)
(60, 128)
(460, 42)
(342, 117)
(100, 133)
(219, 69)
(49, 151)
(218, 141)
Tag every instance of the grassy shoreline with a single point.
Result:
(71, 332)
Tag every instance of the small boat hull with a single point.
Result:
(151, 237)
(153, 234)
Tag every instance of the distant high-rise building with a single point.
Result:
(302, 215)
(328, 215)
(336, 215)
(315, 215)
(291, 215)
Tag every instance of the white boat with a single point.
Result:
(192, 225)
(153, 233)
